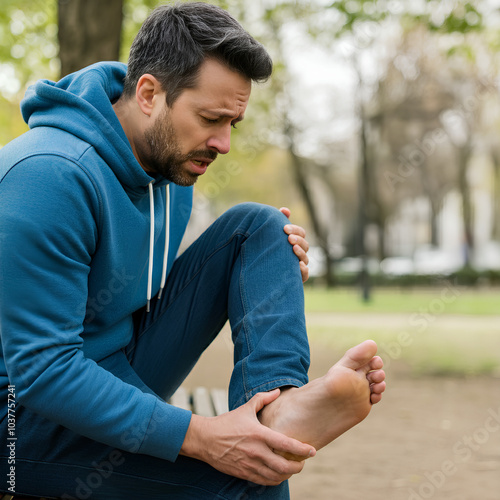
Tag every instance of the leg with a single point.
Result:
(237, 268)
(243, 268)
(54, 462)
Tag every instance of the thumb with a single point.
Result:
(262, 399)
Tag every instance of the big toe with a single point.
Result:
(360, 355)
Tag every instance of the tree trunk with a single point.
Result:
(435, 207)
(464, 154)
(364, 190)
(89, 32)
(289, 132)
(318, 228)
(496, 198)
(381, 228)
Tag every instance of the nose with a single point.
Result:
(221, 140)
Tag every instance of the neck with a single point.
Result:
(126, 114)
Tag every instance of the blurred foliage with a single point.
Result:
(28, 44)
(258, 167)
(29, 48)
(466, 277)
(446, 17)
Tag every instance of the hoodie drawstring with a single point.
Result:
(167, 239)
(152, 242)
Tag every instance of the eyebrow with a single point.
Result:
(225, 114)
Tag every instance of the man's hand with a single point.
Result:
(236, 443)
(296, 237)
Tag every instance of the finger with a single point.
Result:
(282, 468)
(262, 399)
(300, 253)
(304, 271)
(285, 211)
(293, 239)
(294, 229)
(261, 477)
(271, 467)
(284, 444)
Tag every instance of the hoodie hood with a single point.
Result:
(81, 104)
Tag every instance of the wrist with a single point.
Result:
(193, 445)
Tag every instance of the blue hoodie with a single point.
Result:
(74, 257)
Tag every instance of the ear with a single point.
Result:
(147, 93)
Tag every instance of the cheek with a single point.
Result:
(192, 137)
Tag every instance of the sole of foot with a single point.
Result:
(322, 410)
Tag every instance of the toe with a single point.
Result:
(376, 376)
(377, 388)
(376, 363)
(360, 356)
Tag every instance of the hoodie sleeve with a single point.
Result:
(48, 233)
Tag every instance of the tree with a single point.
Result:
(89, 31)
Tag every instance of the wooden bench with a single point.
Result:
(202, 401)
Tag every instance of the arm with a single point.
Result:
(296, 238)
(236, 443)
(48, 235)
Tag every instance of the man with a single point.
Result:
(100, 322)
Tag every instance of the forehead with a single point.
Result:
(218, 89)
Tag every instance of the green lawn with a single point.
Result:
(455, 332)
(452, 299)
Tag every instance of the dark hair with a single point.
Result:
(175, 40)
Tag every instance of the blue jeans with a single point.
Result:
(242, 269)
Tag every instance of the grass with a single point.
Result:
(419, 333)
(452, 299)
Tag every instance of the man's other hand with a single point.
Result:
(236, 443)
(297, 238)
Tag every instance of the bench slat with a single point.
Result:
(219, 400)
(181, 399)
(202, 403)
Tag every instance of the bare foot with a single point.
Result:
(326, 407)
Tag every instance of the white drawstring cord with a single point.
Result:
(151, 242)
(167, 238)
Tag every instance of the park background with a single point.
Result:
(379, 130)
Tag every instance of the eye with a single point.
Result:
(210, 120)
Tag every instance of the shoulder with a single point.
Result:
(43, 168)
(41, 141)
(47, 156)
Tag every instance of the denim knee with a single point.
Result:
(256, 212)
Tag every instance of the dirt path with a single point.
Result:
(406, 321)
(433, 438)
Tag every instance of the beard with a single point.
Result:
(164, 155)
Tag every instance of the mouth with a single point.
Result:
(200, 161)
(200, 165)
